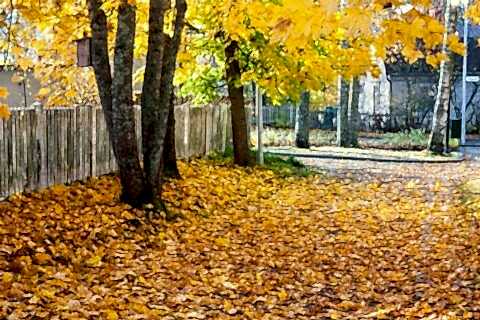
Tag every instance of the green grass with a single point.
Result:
(416, 138)
(282, 166)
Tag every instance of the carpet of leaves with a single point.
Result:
(250, 245)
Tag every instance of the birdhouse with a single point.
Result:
(84, 52)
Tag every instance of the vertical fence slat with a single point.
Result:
(3, 161)
(98, 146)
(13, 171)
(30, 167)
(208, 128)
(50, 146)
(58, 147)
(64, 125)
(61, 155)
(92, 124)
(70, 149)
(81, 133)
(25, 129)
(77, 142)
(41, 134)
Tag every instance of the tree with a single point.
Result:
(241, 149)
(302, 122)
(348, 117)
(438, 139)
(141, 184)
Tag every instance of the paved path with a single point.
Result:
(449, 173)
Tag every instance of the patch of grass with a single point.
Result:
(286, 166)
(416, 138)
(282, 166)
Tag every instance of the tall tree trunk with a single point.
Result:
(130, 169)
(342, 115)
(116, 95)
(241, 150)
(155, 150)
(302, 122)
(151, 89)
(354, 114)
(170, 169)
(438, 137)
(348, 117)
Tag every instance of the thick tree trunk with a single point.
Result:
(128, 159)
(302, 122)
(239, 121)
(155, 150)
(116, 95)
(438, 136)
(170, 169)
(151, 90)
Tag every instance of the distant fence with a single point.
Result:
(284, 117)
(39, 148)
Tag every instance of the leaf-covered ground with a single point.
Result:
(250, 245)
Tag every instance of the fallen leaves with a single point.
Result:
(249, 245)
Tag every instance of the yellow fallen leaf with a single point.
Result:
(222, 242)
(94, 261)
(111, 314)
(7, 277)
(283, 295)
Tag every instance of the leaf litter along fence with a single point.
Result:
(42, 147)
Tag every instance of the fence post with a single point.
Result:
(41, 152)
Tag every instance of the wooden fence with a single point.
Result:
(43, 147)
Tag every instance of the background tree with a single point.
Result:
(348, 118)
(302, 122)
(438, 139)
(281, 47)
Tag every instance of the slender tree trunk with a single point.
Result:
(239, 121)
(438, 136)
(348, 117)
(354, 114)
(116, 95)
(342, 115)
(170, 169)
(302, 122)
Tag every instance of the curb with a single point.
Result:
(335, 157)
